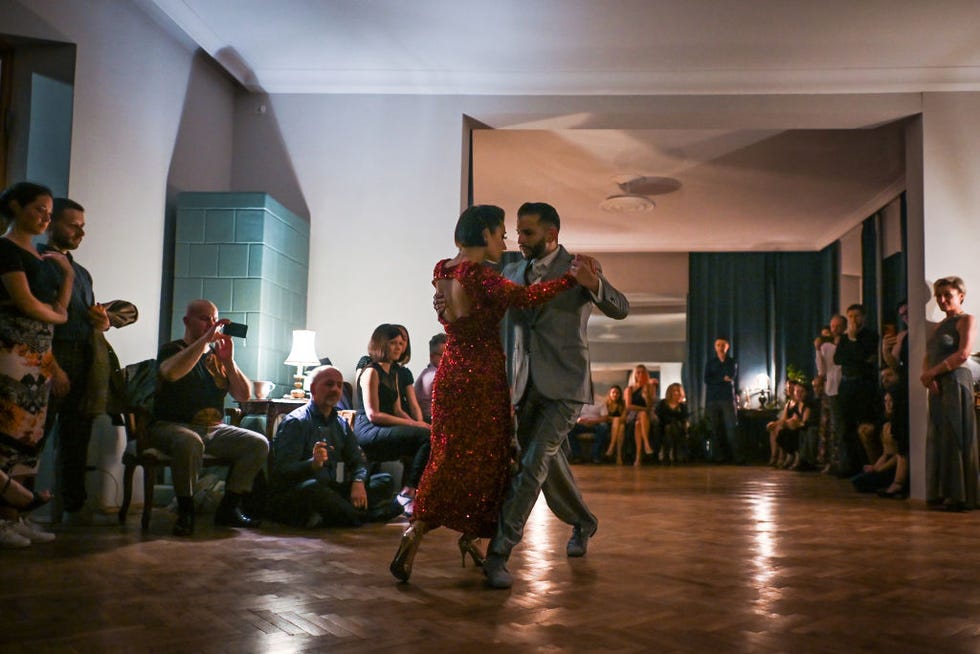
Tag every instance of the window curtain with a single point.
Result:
(870, 255)
(770, 307)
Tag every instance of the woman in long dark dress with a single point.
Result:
(32, 300)
(469, 467)
(951, 441)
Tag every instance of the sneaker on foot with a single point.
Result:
(9, 538)
(31, 530)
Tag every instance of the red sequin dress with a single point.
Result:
(469, 468)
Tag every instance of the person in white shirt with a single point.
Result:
(829, 373)
(423, 385)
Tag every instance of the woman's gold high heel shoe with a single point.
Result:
(401, 565)
(467, 545)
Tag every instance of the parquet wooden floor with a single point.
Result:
(687, 559)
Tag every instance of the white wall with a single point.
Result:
(948, 231)
(131, 79)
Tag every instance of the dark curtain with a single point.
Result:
(770, 306)
(869, 271)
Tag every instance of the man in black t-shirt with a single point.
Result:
(195, 374)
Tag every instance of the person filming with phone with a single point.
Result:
(195, 374)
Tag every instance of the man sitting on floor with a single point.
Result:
(320, 476)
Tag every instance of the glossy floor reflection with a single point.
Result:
(687, 559)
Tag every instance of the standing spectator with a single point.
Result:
(951, 442)
(32, 300)
(832, 419)
(423, 385)
(895, 344)
(195, 374)
(720, 373)
(73, 351)
(857, 355)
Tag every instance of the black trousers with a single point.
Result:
(74, 427)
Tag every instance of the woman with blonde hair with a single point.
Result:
(951, 441)
(640, 396)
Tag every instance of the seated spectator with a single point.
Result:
(895, 385)
(195, 374)
(320, 476)
(616, 410)
(383, 429)
(406, 381)
(795, 424)
(810, 438)
(423, 385)
(877, 476)
(593, 419)
(791, 414)
(674, 421)
(640, 396)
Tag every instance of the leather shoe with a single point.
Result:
(185, 525)
(578, 544)
(495, 568)
(233, 517)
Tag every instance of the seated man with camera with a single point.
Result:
(320, 476)
(195, 373)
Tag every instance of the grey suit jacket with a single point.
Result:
(549, 341)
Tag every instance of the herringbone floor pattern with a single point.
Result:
(687, 559)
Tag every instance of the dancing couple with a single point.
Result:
(548, 297)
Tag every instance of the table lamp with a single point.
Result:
(302, 354)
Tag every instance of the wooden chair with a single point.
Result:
(140, 453)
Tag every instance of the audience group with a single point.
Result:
(851, 420)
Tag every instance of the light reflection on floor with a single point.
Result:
(539, 548)
(764, 551)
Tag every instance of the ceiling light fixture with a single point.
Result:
(634, 192)
(627, 203)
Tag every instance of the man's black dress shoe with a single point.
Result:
(233, 517)
(578, 544)
(184, 525)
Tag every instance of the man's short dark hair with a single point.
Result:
(472, 222)
(436, 341)
(60, 205)
(546, 213)
(857, 307)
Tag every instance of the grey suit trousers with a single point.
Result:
(542, 426)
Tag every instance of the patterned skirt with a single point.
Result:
(26, 364)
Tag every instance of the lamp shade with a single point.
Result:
(303, 352)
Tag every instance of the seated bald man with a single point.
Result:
(195, 374)
(320, 475)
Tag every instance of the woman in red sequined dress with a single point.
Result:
(469, 467)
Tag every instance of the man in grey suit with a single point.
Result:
(550, 382)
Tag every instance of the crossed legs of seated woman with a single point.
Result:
(618, 436)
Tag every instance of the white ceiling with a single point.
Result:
(588, 46)
(760, 186)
